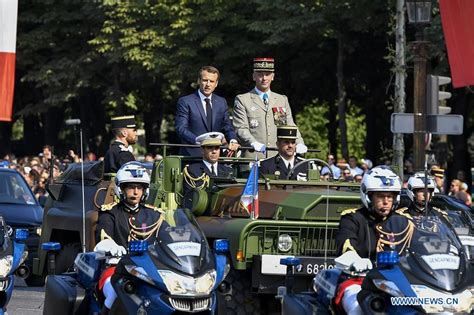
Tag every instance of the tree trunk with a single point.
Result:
(5, 138)
(400, 77)
(341, 96)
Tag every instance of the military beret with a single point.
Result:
(264, 64)
(123, 122)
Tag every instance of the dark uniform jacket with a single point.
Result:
(432, 211)
(198, 169)
(357, 232)
(117, 155)
(118, 223)
(276, 166)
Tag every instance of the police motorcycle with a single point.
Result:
(12, 256)
(177, 273)
(433, 274)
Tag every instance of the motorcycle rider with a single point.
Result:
(357, 235)
(129, 219)
(416, 193)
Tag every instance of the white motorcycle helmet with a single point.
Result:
(417, 181)
(380, 178)
(132, 172)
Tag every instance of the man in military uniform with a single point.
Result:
(357, 237)
(124, 129)
(129, 219)
(197, 175)
(281, 164)
(258, 113)
(416, 193)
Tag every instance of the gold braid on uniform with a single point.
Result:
(406, 236)
(191, 181)
(143, 233)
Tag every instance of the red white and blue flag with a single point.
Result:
(249, 199)
(8, 21)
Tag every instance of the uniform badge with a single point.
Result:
(279, 116)
(253, 123)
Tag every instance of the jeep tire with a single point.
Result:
(243, 301)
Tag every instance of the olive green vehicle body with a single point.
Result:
(309, 212)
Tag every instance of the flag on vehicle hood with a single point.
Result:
(456, 17)
(249, 199)
(8, 21)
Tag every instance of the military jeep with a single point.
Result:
(296, 219)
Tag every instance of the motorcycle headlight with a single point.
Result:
(388, 287)
(183, 285)
(284, 242)
(139, 273)
(6, 265)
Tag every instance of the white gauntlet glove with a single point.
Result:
(352, 260)
(301, 148)
(362, 264)
(259, 147)
(110, 246)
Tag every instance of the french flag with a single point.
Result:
(249, 199)
(8, 20)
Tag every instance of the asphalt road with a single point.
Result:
(25, 300)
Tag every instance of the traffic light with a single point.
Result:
(434, 95)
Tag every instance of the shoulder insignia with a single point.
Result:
(107, 206)
(440, 211)
(123, 148)
(403, 212)
(153, 208)
(348, 211)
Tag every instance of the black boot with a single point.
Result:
(105, 311)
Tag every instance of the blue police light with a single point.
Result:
(387, 258)
(51, 246)
(138, 246)
(290, 261)
(221, 246)
(21, 234)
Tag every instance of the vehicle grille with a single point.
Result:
(307, 241)
(191, 305)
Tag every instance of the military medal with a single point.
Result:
(253, 123)
(279, 116)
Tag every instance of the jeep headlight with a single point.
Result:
(38, 231)
(284, 242)
(5, 265)
(184, 285)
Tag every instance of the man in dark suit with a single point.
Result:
(120, 151)
(281, 164)
(197, 175)
(203, 112)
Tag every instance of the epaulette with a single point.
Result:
(123, 148)
(351, 210)
(153, 208)
(107, 206)
(440, 211)
(403, 212)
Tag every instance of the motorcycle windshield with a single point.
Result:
(181, 244)
(436, 255)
